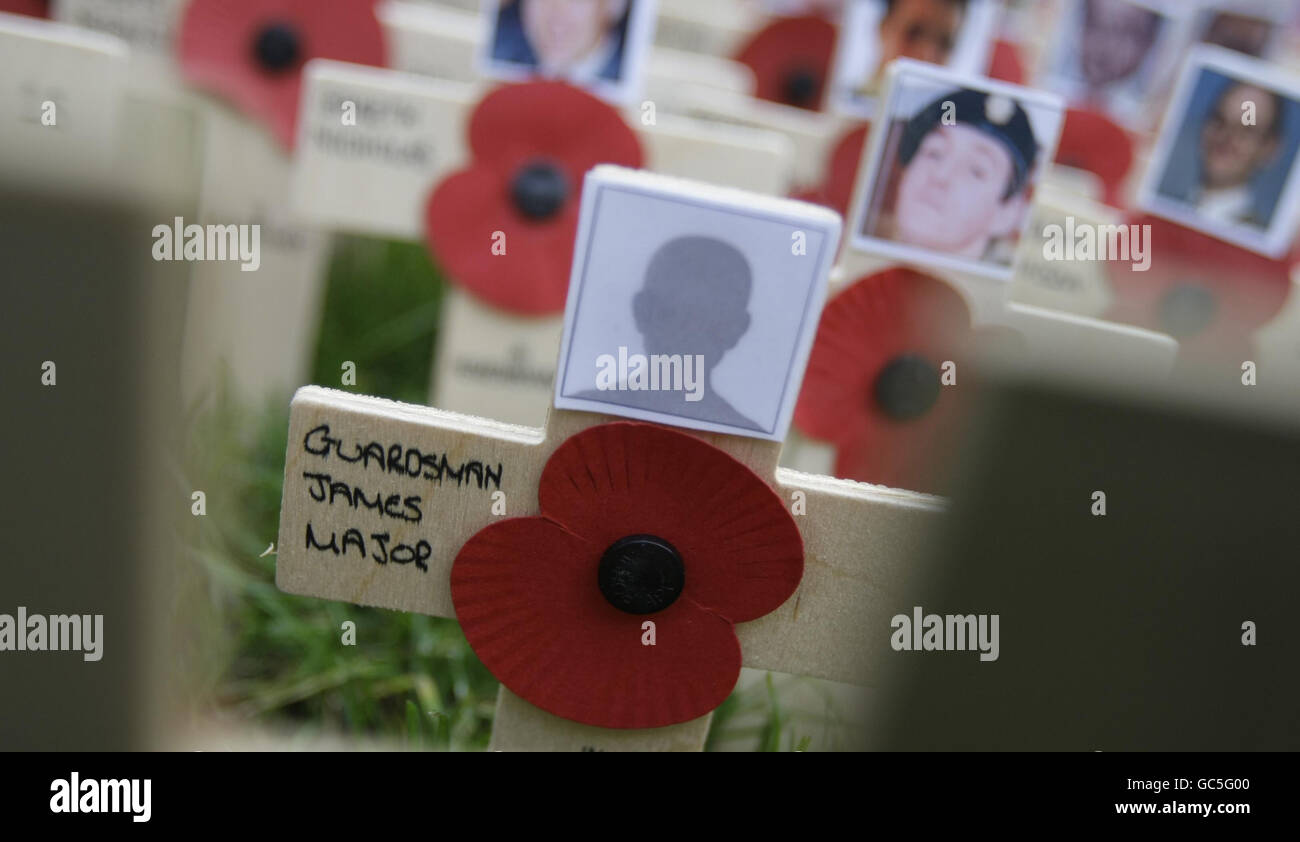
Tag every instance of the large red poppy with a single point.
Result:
(791, 60)
(531, 145)
(251, 52)
(872, 387)
(637, 522)
(1092, 141)
(1208, 294)
(35, 8)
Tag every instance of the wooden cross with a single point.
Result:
(812, 133)
(728, 138)
(148, 26)
(342, 186)
(259, 325)
(341, 181)
(858, 539)
(200, 160)
(716, 28)
(161, 153)
(1079, 287)
(61, 89)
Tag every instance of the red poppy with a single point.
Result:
(34, 8)
(251, 52)
(637, 522)
(1091, 141)
(836, 189)
(791, 59)
(1208, 294)
(531, 144)
(872, 387)
(1005, 63)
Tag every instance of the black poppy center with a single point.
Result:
(539, 190)
(907, 387)
(641, 574)
(801, 86)
(277, 47)
(1186, 310)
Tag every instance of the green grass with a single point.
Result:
(255, 654)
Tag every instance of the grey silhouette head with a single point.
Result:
(695, 298)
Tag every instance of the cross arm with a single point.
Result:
(379, 496)
(859, 541)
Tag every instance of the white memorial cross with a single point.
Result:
(858, 539)
(195, 159)
(259, 325)
(160, 115)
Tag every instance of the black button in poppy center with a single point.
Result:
(801, 86)
(907, 387)
(641, 574)
(539, 190)
(277, 47)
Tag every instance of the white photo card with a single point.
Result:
(949, 172)
(692, 305)
(1225, 160)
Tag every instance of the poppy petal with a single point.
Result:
(901, 454)
(742, 551)
(526, 596)
(531, 276)
(1209, 294)
(874, 321)
(842, 173)
(216, 42)
(1093, 142)
(791, 59)
(862, 328)
(513, 127)
(516, 124)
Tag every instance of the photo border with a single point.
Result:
(1276, 239)
(636, 51)
(799, 215)
(870, 164)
